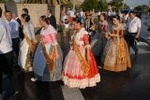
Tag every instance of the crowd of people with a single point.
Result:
(94, 44)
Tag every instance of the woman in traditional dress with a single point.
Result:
(26, 45)
(80, 69)
(116, 54)
(99, 39)
(47, 63)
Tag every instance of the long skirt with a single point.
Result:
(73, 75)
(40, 67)
(116, 56)
(24, 55)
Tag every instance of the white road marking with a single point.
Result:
(72, 94)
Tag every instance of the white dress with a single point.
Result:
(28, 29)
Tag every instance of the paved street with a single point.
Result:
(133, 84)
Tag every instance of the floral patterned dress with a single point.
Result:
(77, 72)
(116, 56)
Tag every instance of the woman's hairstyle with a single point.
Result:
(117, 17)
(45, 19)
(25, 10)
(104, 15)
(26, 17)
(0, 12)
(77, 20)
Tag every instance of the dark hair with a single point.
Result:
(77, 20)
(1, 12)
(117, 17)
(25, 10)
(50, 11)
(26, 17)
(132, 11)
(45, 19)
(7, 11)
(103, 14)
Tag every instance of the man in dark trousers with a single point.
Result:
(6, 55)
(51, 17)
(134, 29)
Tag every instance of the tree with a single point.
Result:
(142, 8)
(102, 5)
(4, 1)
(126, 6)
(116, 4)
(94, 4)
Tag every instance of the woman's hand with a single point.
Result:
(87, 55)
(71, 43)
(108, 35)
(34, 45)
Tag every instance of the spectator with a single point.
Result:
(51, 17)
(134, 29)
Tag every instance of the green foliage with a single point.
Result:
(103, 5)
(66, 3)
(94, 4)
(138, 8)
(126, 6)
(142, 8)
(4, 1)
(116, 4)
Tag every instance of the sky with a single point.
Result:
(136, 2)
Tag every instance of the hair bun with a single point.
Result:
(27, 18)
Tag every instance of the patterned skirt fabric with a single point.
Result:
(73, 75)
(116, 56)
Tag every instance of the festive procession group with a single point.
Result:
(93, 44)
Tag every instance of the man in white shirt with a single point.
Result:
(14, 31)
(134, 29)
(6, 54)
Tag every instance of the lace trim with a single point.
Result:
(81, 83)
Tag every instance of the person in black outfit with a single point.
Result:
(51, 17)
(21, 34)
(89, 25)
(6, 56)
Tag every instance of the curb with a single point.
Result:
(145, 40)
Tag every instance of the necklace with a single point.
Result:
(116, 28)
